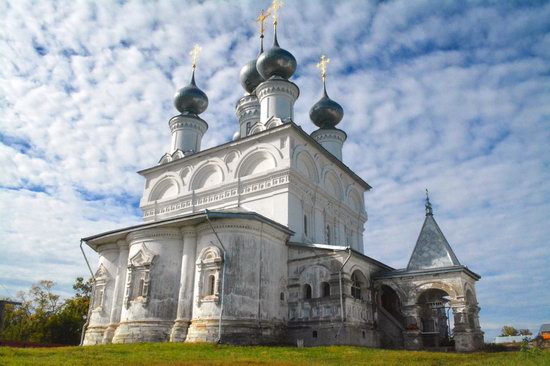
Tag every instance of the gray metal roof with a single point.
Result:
(544, 328)
(432, 249)
(190, 219)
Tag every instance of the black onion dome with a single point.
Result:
(190, 99)
(326, 113)
(276, 62)
(250, 77)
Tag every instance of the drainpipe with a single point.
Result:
(342, 292)
(223, 276)
(91, 295)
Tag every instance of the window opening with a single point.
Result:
(307, 291)
(326, 289)
(355, 287)
(211, 284)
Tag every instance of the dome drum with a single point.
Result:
(277, 97)
(332, 139)
(187, 132)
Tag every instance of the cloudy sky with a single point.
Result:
(453, 96)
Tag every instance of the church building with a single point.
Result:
(260, 240)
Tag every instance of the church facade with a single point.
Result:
(260, 240)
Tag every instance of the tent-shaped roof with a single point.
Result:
(432, 250)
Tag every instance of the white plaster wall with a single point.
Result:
(108, 257)
(255, 275)
(167, 246)
(270, 175)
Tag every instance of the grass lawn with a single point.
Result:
(208, 354)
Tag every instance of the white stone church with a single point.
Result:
(260, 240)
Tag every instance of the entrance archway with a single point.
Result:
(391, 303)
(435, 322)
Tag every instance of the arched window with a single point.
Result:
(211, 284)
(305, 225)
(355, 286)
(282, 296)
(138, 277)
(209, 265)
(307, 291)
(325, 287)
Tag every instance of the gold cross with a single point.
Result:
(261, 19)
(195, 52)
(276, 5)
(322, 65)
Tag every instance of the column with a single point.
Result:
(118, 292)
(411, 335)
(466, 333)
(185, 297)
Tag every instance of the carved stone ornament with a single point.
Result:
(102, 277)
(138, 277)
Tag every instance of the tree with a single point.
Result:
(509, 330)
(525, 332)
(83, 289)
(44, 318)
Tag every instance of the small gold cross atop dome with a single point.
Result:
(322, 65)
(261, 19)
(276, 5)
(195, 52)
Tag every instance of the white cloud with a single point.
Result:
(449, 97)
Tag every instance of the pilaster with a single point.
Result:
(185, 297)
(118, 292)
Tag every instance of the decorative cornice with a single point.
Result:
(217, 194)
(156, 233)
(329, 134)
(277, 86)
(239, 226)
(189, 121)
(248, 101)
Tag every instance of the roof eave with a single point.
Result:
(94, 241)
(428, 271)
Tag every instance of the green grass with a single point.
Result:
(208, 354)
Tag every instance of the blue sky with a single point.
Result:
(453, 96)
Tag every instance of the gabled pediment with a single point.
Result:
(101, 275)
(142, 257)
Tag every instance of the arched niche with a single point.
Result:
(257, 128)
(167, 187)
(210, 174)
(306, 166)
(359, 285)
(434, 307)
(470, 297)
(314, 276)
(332, 185)
(256, 162)
(355, 201)
(391, 302)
